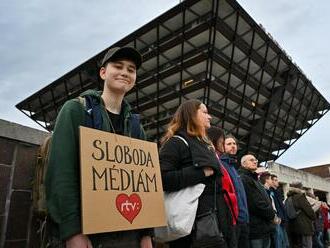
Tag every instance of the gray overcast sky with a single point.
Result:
(42, 40)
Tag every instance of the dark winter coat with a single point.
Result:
(303, 224)
(261, 211)
(63, 174)
(230, 164)
(182, 166)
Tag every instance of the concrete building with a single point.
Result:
(315, 184)
(211, 50)
(319, 170)
(18, 151)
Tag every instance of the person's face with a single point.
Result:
(250, 163)
(203, 117)
(119, 76)
(275, 182)
(230, 146)
(220, 146)
(269, 182)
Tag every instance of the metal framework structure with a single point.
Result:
(214, 51)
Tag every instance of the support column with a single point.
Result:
(285, 187)
(327, 195)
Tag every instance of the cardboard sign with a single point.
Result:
(121, 186)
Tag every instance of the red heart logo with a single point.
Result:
(129, 206)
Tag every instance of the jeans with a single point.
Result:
(306, 241)
(318, 240)
(280, 237)
(260, 243)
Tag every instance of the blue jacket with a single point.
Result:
(229, 163)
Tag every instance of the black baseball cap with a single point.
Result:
(116, 53)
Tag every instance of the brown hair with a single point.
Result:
(185, 118)
(264, 176)
(229, 135)
(215, 134)
(273, 176)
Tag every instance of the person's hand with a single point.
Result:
(277, 220)
(79, 241)
(208, 171)
(146, 242)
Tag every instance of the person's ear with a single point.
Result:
(102, 72)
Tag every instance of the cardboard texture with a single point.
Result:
(121, 186)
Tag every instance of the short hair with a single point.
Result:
(229, 135)
(263, 177)
(244, 157)
(273, 176)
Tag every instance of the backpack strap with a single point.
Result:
(135, 126)
(92, 109)
(93, 117)
(181, 138)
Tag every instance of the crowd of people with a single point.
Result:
(250, 207)
(254, 210)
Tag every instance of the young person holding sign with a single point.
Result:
(109, 112)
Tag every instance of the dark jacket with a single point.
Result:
(261, 211)
(280, 211)
(303, 224)
(230, 164)
(63, 175)
(182, 166)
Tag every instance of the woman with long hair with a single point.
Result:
(185, 165)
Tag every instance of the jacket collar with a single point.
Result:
(249, 173)
(125, 107)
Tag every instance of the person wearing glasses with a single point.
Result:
(261, 213)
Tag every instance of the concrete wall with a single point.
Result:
(18, 149)
(321, 170)
(287, 175)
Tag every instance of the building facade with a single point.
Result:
(18, 152)
(315, 184)
(319, 170)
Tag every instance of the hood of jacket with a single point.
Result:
(294, 191)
